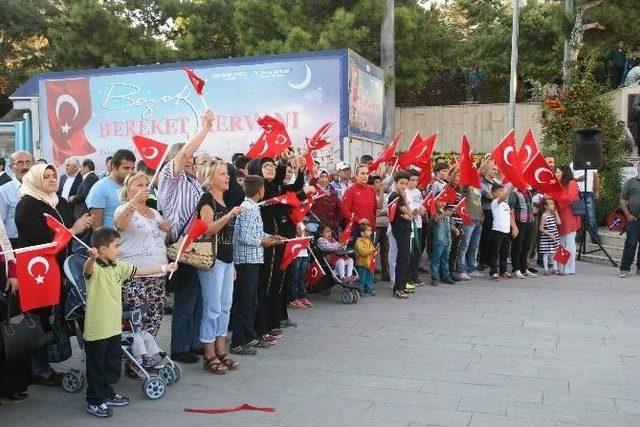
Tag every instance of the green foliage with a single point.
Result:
(587, 106)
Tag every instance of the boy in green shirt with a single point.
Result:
(103, 318)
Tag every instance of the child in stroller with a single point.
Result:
(336, 255)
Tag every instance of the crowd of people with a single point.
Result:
(128, 220)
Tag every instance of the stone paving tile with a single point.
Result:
(488, 420)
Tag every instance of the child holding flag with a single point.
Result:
(365, 255)
(441, 230)
(341, 262)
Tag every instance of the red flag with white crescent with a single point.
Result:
(538, 174)
(419, 152)
(447, 195)
(315, 273)
(318, 140)
(291, 250)
(387, 155)
(463, 213)
(273, 141)
(289, 198)
(68, 111)
(39, 278)
(197, 228)
(374, 260)
(345, 236)
(507, 161)
(151, 151)
(196, 81)
(468, 172)
(393, 209)
(562, 255)
(528, 149)
(61, 234)
(429, 204)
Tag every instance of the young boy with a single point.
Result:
(401, 230)
(249, 239)
(499, 239)
(103, 318)
(365, 251)
(414, 197)
(441, 229)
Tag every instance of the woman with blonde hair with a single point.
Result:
(217, 282)
(143, 235)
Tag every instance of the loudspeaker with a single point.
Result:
(587, 149)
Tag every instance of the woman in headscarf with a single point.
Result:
(38, 197)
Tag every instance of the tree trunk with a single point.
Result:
(576, 40)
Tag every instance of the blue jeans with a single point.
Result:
(630, 245)
(468, 249)
(217, 296)
(440, 260)
(590, 216)
(187, 311)
(366, 279)
(298, 277)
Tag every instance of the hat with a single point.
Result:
(440, 166)
(342, 166)
(496, 186)
(323, 170)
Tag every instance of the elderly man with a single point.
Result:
(70, 180)
(343, 179)
(630, 205)
(20, 162)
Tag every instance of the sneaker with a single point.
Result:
(518, 275)
(533, 270)
(506, 276)
(434, 282)
(151, 362)
(371, 293)
(623, 274)
(462, 276)
(410, 287)
(244, 350)
(262, 344)
(530, 273)
(100, 411)
(449, 281)
(275, 333)
(476, 275)
(117, 401)
(307, 302)
(269, 338)
(495, 277)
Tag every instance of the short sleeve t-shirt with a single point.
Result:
(224, 250)
(105, 194)
(501, 216)
(103, 317)
(399, 224)
(631, 193)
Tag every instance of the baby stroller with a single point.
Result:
(154, 383)
(350, 290)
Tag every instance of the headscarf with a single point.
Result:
(32, 185)
(235, 194)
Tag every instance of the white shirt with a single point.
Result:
(414, 197)
(66, 188)
(577, 174)
(9, 199)
(501, 216)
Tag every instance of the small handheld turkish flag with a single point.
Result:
(39, 277)
(447, 195)
(291, 250)
(562, 255)
(298, 213)
(387, 155)
(419, 152)
(152, 152)
(61, 234)
(315, 273)
(507, 161)
(196, 81)
(429, 204)
(196, 229)
(374, 260)
(289, 198)
(463, 213)
(393, 209)
(318, 140)
(528, 149)
(273, 141)
(538, 174)
(345, 236)
(468, 172)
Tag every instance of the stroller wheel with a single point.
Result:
(154, 387)
(325, 291)
(72, 381)
(167, 374)
(346, 296)
(177, 372)
(355, 296)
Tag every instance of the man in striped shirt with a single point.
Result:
(179, 192)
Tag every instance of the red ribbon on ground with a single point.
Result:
(243, 407)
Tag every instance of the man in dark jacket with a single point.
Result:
(88, 179)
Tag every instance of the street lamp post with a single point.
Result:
(513, 84)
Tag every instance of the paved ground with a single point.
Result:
(542, 352)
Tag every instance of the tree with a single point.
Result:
(576, 40)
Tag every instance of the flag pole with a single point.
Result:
(29, 248)
(178, 255)
(204, 102)
(317, 262)
(157, 172)
(73, 235)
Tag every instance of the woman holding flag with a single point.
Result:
(37, 198)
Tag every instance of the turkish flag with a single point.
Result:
(61, 234)
(273, 141)
(197, 228)
(447, 195)
(68, 111)
(528, 149)
(39, 277)
(345, 236)
(463, 213)
(196, 81)
(419, 152)
(374, 260)
(539, 175)
(308, 161)
(562, 255)
(425, 176)
(429, 204)
(289, 198)
(318, 140)
(298, 213)
(387, 155)
(315, 273)
(507, 161)
(393, 208)
(291, 250)
(152, 152)
(468, 172)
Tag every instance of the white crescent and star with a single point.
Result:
(304, 83)
(153, 155)
(539, 172)
(529, 152)
(505, 155)
(67, 99)
(38, 260)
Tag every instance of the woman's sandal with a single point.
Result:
(400, 294)
(231, 364)
(215, 366)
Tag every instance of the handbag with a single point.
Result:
(58, 346)
(21, 335)
(579, 208)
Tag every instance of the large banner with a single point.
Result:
(366, 99)
(94, 115)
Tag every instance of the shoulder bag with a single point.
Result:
(579, 208)
(200, 254)
(21, 335)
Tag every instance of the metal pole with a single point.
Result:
(513, 84)
(387, 55)
(569, 8)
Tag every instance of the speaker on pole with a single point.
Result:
(587, 149)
